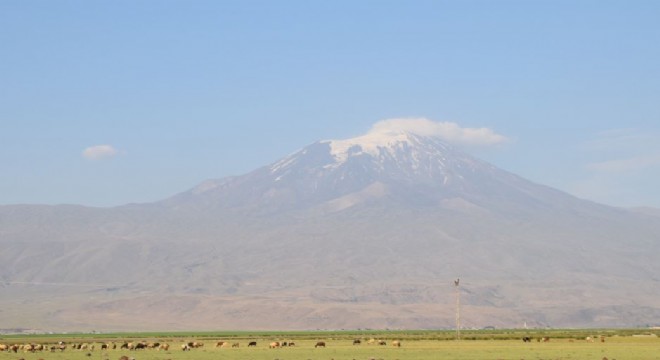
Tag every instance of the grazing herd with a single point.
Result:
(188, 346)
(547, 339)
(144, 345)
(61, 346)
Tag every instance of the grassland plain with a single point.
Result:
(415, 345)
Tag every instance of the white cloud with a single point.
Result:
(448, 131)
(98, 152)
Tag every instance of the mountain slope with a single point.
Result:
(356, 233)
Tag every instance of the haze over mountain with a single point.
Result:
(368, 232)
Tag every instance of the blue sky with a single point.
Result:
(183, 91)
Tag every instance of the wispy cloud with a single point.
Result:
(99, 152)
(625, 165)
(448, 131)
(626, 140)
(619, 167)
(624, 150)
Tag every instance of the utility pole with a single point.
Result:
(458, 309)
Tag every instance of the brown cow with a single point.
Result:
(274, 344)
(320, 344)
(252, 343)
(396, 343)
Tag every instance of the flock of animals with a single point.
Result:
(188, 346)
(144, 345)
(547, 339)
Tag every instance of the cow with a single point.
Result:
(164, 346)
(320, 344)
(291, 343)
(396, 343)
(235, 345)
(3, 347)
(219, 344)
(185, 347)
(357, 342)
(252, 343)
(382, 342)
(274, 345)
(526, 339)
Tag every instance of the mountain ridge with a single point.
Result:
(358, 233)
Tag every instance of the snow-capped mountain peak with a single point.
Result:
(372, 144)
(404, 146)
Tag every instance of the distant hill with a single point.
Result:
(368, 232)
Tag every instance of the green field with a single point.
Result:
(563, 344)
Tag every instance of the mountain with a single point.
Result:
(368, 232)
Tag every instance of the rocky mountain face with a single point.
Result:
(368, 232)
